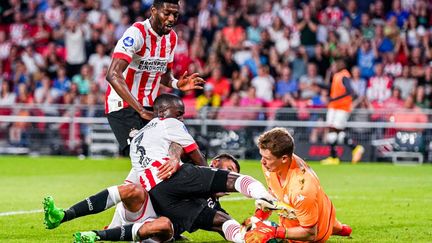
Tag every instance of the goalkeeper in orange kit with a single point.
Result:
(307, 213)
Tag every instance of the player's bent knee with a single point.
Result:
(131, 191)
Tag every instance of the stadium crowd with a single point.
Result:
(251, 53)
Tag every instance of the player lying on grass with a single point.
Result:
(181, 197)
(123, 216)
(294, 183)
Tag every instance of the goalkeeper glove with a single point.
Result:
(263, 233)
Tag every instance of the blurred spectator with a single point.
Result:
(366, 58)
(392, 67)
(288, 13)
(421, 100)
(253, 31)
(382, 43)
(208, 99)
(33, 61)
(411, 114)
(5, 45)
(255, 60)
(320, 60)
(6, 97)
(229, 66)
(286, 84)
(400, 14)
(61, 83)
(379, 86)
(220, 83)
(75, 51)
(405, 83)
(40, 33)
(353, 13)
(266, 17)
(98, 60)
(115, 12)
(83, 80)
(54, 15)
(307, 81)
(19, 131)
(19, 30)
(358, 85)
(308, 28)
(233, 33)
(264, 84)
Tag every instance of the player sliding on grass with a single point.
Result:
(312, 216)
(181, 197)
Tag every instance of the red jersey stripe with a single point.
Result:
(190, 148)
(123, 56)
(143, 32)
(107, 93)
(150, 178)
(173, 40)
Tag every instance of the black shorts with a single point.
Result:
(124, 121)
(183, 197)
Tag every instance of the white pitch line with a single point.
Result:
(20, 212)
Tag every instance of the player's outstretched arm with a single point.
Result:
(117, 81)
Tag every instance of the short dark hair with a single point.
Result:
(228, 157)
(165, 100)
(278, 141)
(158, 3)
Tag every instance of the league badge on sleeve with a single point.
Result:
(128, 41)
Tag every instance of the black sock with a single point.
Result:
(333, 152)
(91, 205)
(349, 141)
(122, 233)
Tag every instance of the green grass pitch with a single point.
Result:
(381, 202)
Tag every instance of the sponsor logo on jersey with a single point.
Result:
(128, 41)
(153, 65)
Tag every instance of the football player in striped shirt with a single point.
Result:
(141, 61)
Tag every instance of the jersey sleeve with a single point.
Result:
(177, 133)
(306, 206)
(129, 44)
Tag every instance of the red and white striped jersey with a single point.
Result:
(149, 148)
(149, 56)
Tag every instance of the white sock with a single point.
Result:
(231, 229)
(250, 187)
(113, 197)
(135, 228)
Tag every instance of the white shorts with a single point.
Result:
(122, 216)
(337, 118)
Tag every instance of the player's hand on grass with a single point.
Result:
(168, 169)
(190, 82)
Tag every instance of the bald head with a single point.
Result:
(168, 106)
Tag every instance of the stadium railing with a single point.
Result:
(66, 129)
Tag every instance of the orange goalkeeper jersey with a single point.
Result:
(302, 191)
